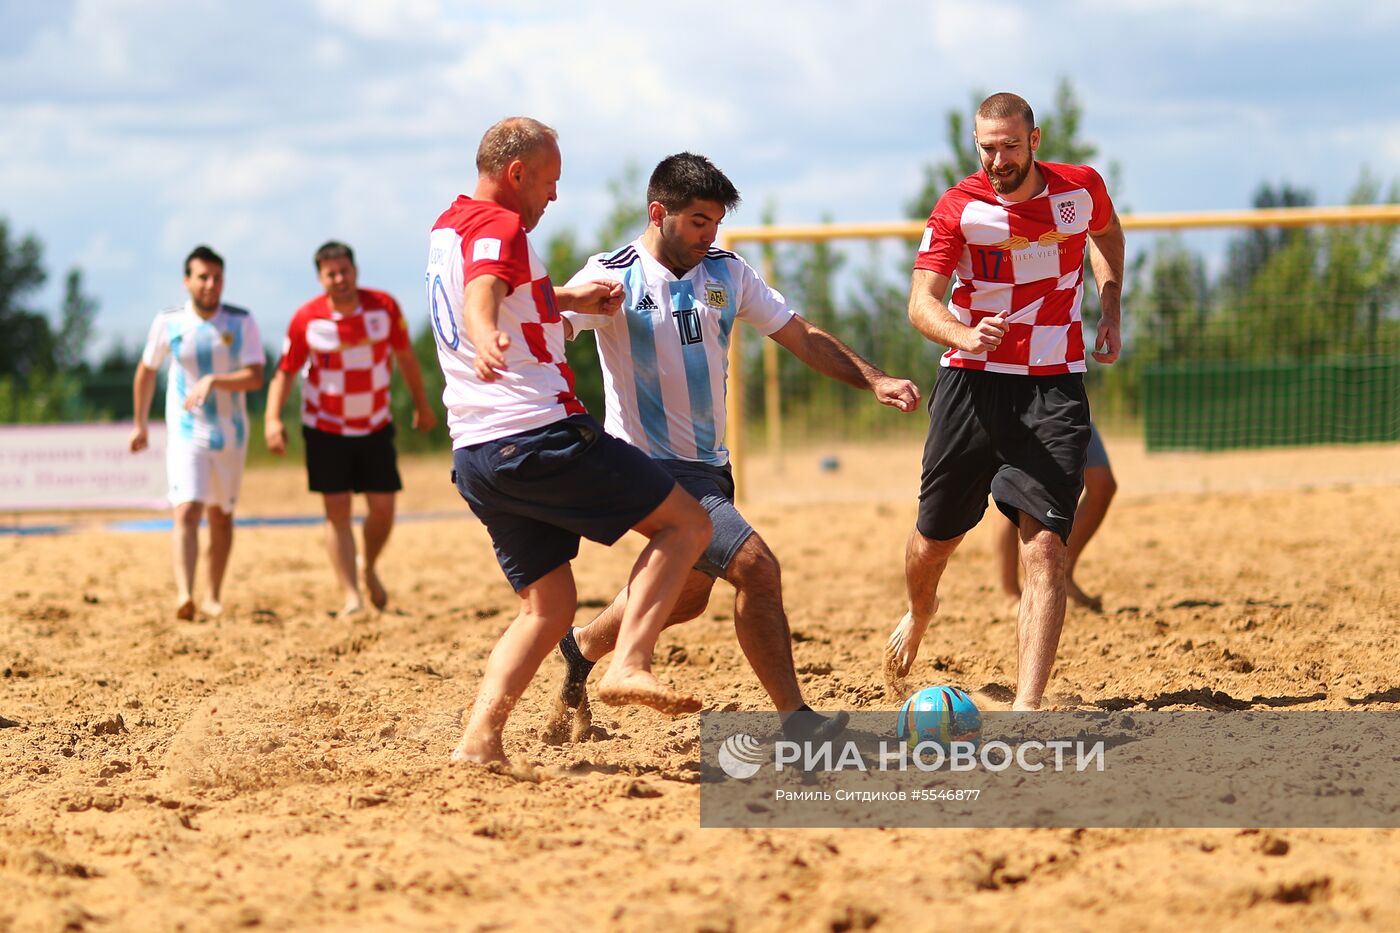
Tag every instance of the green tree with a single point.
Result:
(28, 345)
(1060, 126)
(75, 330)
(1249, 252)
(40, 370)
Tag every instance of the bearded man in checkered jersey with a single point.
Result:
(1009, 415)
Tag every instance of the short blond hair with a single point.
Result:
(510, 139)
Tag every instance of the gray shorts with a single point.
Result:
(1098, 454)
(713, 487)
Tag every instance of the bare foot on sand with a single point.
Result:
(350, 610)
(1081, 598)
(184, 608)
(641, 688)
(212, 608)
(902, 648)
(478, 750)
(378, 596)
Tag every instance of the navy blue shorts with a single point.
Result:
(713, 487)
(1098, 453)
(539, 491)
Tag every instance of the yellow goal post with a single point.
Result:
(913, 229)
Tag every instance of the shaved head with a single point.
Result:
(1004, 106)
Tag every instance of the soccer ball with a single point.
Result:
(941, 715)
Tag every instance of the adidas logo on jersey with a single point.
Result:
(646, 304)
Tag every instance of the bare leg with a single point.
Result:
(340, 545)
(598, 638)
(761, 624)
(1042, 611)
(185, 551)
(546, 609)
(1099, 489)
(1009, 561)
(679, 530)
(572, 714)
(220, 547)
(925, 559)
(378, 524)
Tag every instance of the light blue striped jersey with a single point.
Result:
(195, 347)
(665, 355)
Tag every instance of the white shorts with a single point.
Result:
(198, 474)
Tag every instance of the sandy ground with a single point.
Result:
(281, 768)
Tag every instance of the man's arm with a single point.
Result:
(830, 357)
(424, 418)
(143, 389)
(481, 309)
(601, 297)
(247, 379)
(1106, 250)
(273, 431)
(932, 318)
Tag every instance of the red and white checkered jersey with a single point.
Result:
(350, 358)
(474, 238)
(1022, 260)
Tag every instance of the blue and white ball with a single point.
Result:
(941, 715)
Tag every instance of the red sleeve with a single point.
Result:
(942, 246)
(399, 337)
(497, 247)
(294, 350)
(1103, 205)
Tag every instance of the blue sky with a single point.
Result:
(134, 129)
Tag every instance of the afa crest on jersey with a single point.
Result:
(716, 297)
(226, 337)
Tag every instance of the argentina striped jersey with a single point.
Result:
(195, 347)
(665, 355)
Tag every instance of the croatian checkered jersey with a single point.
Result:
(1022, 260)
(195, 347)
(349, 358)
(665, 355)
(474, 238)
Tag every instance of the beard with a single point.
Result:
(1005, 184)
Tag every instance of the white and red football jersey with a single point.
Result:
(474, 238)
(349, 358)
(1022, 260)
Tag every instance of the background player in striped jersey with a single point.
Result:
(533, 465)
(1009, 415)
(347, 340)
(665, 376)
(216, 356)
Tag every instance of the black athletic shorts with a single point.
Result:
(351, 463)
(1024, 439)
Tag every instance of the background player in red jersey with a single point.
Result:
(347, 339)
(1009, 415)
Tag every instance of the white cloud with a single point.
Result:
(136, 128)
